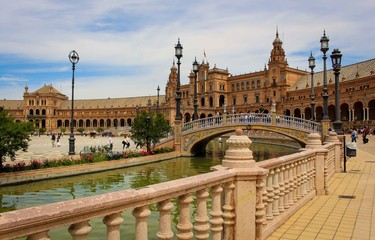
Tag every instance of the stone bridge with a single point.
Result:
(192, 137)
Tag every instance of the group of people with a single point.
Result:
(364, 132)
(56, 141)
(125, 142)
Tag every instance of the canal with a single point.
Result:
(62, 189)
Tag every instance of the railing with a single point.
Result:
(291, 181)
(253, 118)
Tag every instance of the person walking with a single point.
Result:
(53, 139)
(364, 135)
(58, 140)
(354, 135)
(124, 143)
(110, 141)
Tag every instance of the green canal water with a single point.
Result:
(62, 189)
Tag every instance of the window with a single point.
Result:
(247, 85)
(252, 84)
(234, 100)
(245, 99)
(256, 98)
(242, 86)
(232, 87)
(258, 84)
(237, 86)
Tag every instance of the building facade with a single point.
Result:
(218, 92)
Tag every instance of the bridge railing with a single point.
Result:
(290, 183)
(298, 123)
(254, 118)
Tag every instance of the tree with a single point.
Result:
(149, 128)
(81, 130)
(14, 136)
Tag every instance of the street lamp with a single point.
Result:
(73, 58)
(336, 64)
(195, 70)
(178, 54)
(137, 109)
(157, 104)
(148, 121)
(312, 66)
(324, 48)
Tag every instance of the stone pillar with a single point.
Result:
(326, 125)
(239, 158)
(338, 140)
(314, 142)
(177, 135)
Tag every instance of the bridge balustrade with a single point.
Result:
(290, 183)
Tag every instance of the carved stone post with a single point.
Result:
(141, 214)
(165, 231)
(79, 231)
(113, 223)
(184, 226)
(313, 142)
(177, 135)
(239, 158)
(333, 138)
(216, 213)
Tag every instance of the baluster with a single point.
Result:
(286, 187)
(308, 175)
(113, 223)
(141, 214)
(270, 195)
(304, 177)
(165, 231)
(298, 174)
(260, 207)
(184, 226)
(201, 225)
(325, 176)
(313, 173)
(281, 188)
(292, 192)
(265, 199)
(276, 191)
(79, 231)
(39, 236)
(228, 214)
(216, 213)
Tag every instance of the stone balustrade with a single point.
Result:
(240, 200)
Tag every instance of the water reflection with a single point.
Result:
(62, 189)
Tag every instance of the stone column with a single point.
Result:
(326, 125)
(314, 142)
(177, 135)
(334, 138)
(248, 203)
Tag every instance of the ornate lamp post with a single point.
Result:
(336, 64)
(312, 66)
(137, 109)
(74, 58)
(324, 48)
(157, 103)
(178, 54)
(195, 70)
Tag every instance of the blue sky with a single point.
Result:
(126, 47)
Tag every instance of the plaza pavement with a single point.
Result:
(347, 212)
(41, 147)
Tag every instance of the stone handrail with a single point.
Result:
(247, 199)
(253, 118)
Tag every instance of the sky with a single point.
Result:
(126, 47)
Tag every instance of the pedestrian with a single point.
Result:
(110, 140)
(138, 144)
(364, 135)
(58, 140)
(53, 139)
(354, 135)
(125, 142)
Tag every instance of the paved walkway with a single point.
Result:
(347, 212)
(41, 147)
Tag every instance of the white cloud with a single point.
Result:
(139, 36)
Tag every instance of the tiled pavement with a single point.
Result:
(41, 147)
(347, 212)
